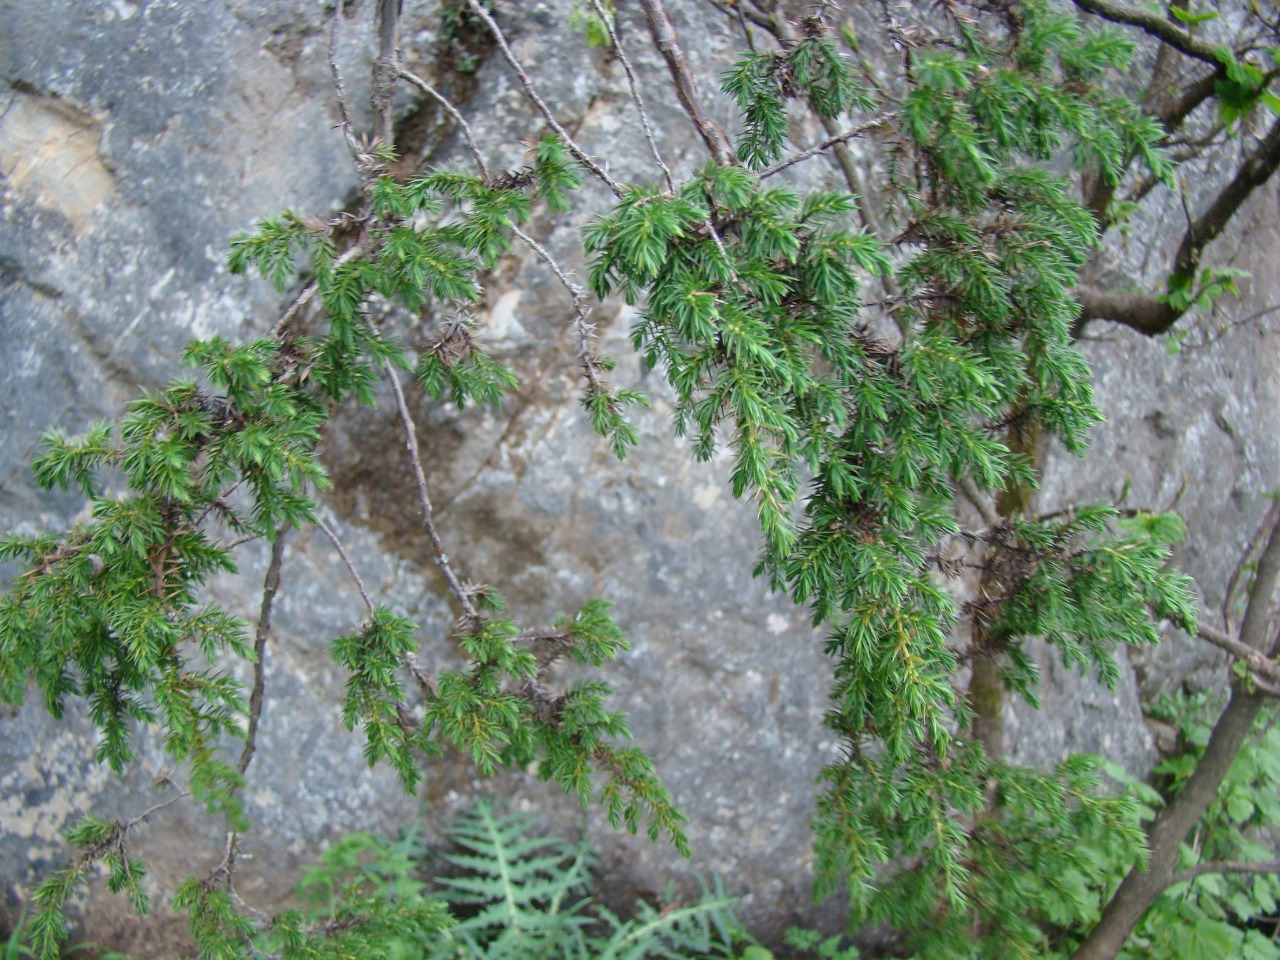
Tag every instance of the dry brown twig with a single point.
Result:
(440, 557)
(636, 98)
(338, 545)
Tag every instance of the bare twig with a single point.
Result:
(339, 84)
(865, 127)
(156, 808)
(664, 38)
(454, 112)
(270, 587)
(525, 81)
(424, 681)
(346, 559)
(226, 867)
(238, 542)
(635, 91)
(462, 595)
(582, 325)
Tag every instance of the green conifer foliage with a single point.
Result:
(750, 297)
(849, 424)
(114, 612)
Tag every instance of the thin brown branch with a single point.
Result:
(339, 84)
(226, 868)
(636, 98)
(270, 587)
(668, 44)
(426, 683)
(584, 329)
(1156, 26)
(1252, 658)
(460, 593)
(156, 808)
(582, 324)
(1143, 311)
(784, 33)
(455, 113)
(844, 137)
(1265, 866)
(531, 91)
(346, 559)
(1255, 541)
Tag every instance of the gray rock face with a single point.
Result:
(137, 137)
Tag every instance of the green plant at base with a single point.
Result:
(1207, 914)
(520, 897)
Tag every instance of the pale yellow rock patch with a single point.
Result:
(50, 149)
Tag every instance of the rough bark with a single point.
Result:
(1145, 312)
(668, 44)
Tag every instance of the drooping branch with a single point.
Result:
(582, 325)
(784, 33)
(668, 44)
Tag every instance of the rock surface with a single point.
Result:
(137, 137)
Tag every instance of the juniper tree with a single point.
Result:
(860, 359)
